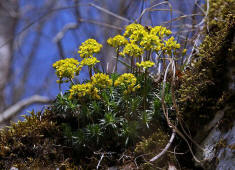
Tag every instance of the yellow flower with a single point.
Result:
(150, 41)
(170, 45)
(89, 61)
(81, 90)
(145, 64)
(67, 68)
(138, 35)
(131, 28)
(101, 80)
(128, 82)
(132, 50)
(184, 51)
(160, 31)
(88, 48)
(117, 41)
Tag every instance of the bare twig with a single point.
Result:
(60, 35)
(102, 156)
(151, 8)
(165, 149)
(110, 13)
(16, 108)
(101, 24)
(165, 111)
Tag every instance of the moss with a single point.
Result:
(218, 12)
(149, 147)
(204, 85)
(35, 142)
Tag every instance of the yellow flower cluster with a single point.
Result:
(145, 64)
(151, 41)
(81, 90)
(117, 41)
(89, 61)
(101, 80)
(170, 45)
(132, 50)
(160, 31)
(132, 28)
(67, 68)
(88, 48)
(137, 35)
(128, 81)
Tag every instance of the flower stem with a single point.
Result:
(145, 89)
(90, 71)
(60, 89)
(117, 60)
(132, 64)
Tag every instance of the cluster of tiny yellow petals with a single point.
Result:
(150, 41)
(101, 80)
(67, 68)
(128, 81)
(132, 49)
(117, 41)
(89, 61)
(88, 48)
(145, 64)
(131, 28)
(81, 90)
(138, 35)
(160, 31)
(170, 45)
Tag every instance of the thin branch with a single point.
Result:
(165, 149)
(165, 111)
(16, 108)
(110, 13)
(101, 24)
(180, 17)
(70, 26)
(102, 156)
(153, 6)
(60, 35)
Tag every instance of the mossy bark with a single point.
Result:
(207, 88)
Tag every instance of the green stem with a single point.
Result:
(117, 60)
(90, 71)
(148, 54)
(164, 62)
(132, 64)
(60, 88)
(145, 89)
(72, 81)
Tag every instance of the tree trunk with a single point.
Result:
(8, 20)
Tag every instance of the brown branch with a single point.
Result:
(16, 108)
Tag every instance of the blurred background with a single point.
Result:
(34, 34)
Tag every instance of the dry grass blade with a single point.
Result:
(101, 24)
(110, 13)
(151, 8)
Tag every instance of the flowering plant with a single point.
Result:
(111, 108)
